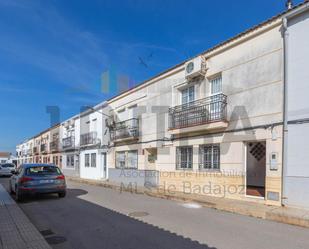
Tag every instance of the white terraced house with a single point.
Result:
(69, 139)
(231, 122)
(94, 139)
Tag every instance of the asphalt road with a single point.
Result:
(96, 217)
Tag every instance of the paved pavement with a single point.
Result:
(96, 217)
(287, 215)
(16, 231)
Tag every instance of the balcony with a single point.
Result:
(198, 116)
(54, 145)
(43, 148)
(68, 143)
(89, 138)
(125, 130)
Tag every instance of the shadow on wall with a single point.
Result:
(87, 225)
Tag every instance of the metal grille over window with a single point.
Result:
(87, 161)
(127, 159)
(184, 157)
(258, 151)
(93, 160)
(132, 159)
(209, 157)
(120, 159)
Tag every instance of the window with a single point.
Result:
(209, 156)
(216, 85)
(132, 110)
(216, 105)
(187, 95)
(70, 161)
(120, 159)
(93, 160)
(184, 157)
(43, 171)
(87, 162)
(132, 159)
(127, 159)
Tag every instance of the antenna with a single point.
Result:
(289, 4)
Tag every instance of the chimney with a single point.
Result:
(289, 4)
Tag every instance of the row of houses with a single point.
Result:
(231, 122)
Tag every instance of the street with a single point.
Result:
(96, 217)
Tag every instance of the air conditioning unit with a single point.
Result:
(195, 67)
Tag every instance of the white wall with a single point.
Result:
(95, 173)
(251, 78)
(296, 181)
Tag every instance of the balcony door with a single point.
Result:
(215, 103)
(187, 95)
(187, 116)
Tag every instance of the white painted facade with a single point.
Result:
(296, 175)
(247, 73)
(69, 137)
(93, 143)
(251, 71)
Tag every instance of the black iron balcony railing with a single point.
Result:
(68, 142)
(125, 129)
(202, 111)
(43, 148)
(89, 138)
(35, 150)
(54, 145)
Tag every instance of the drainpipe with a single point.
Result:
(285, 36)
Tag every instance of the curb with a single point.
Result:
(16, 230)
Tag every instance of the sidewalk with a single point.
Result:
(16, 231)
(292, 216)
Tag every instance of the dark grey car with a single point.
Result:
(32, 179)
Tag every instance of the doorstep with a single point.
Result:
(292, 216)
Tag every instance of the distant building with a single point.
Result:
(5, 157)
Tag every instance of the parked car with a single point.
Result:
(7, 169)
(30, 179)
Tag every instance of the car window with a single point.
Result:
(7, 165)
(43, 170)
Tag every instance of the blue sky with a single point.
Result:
(53, 53)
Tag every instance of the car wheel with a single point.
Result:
(19, 196)
(61, 195)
